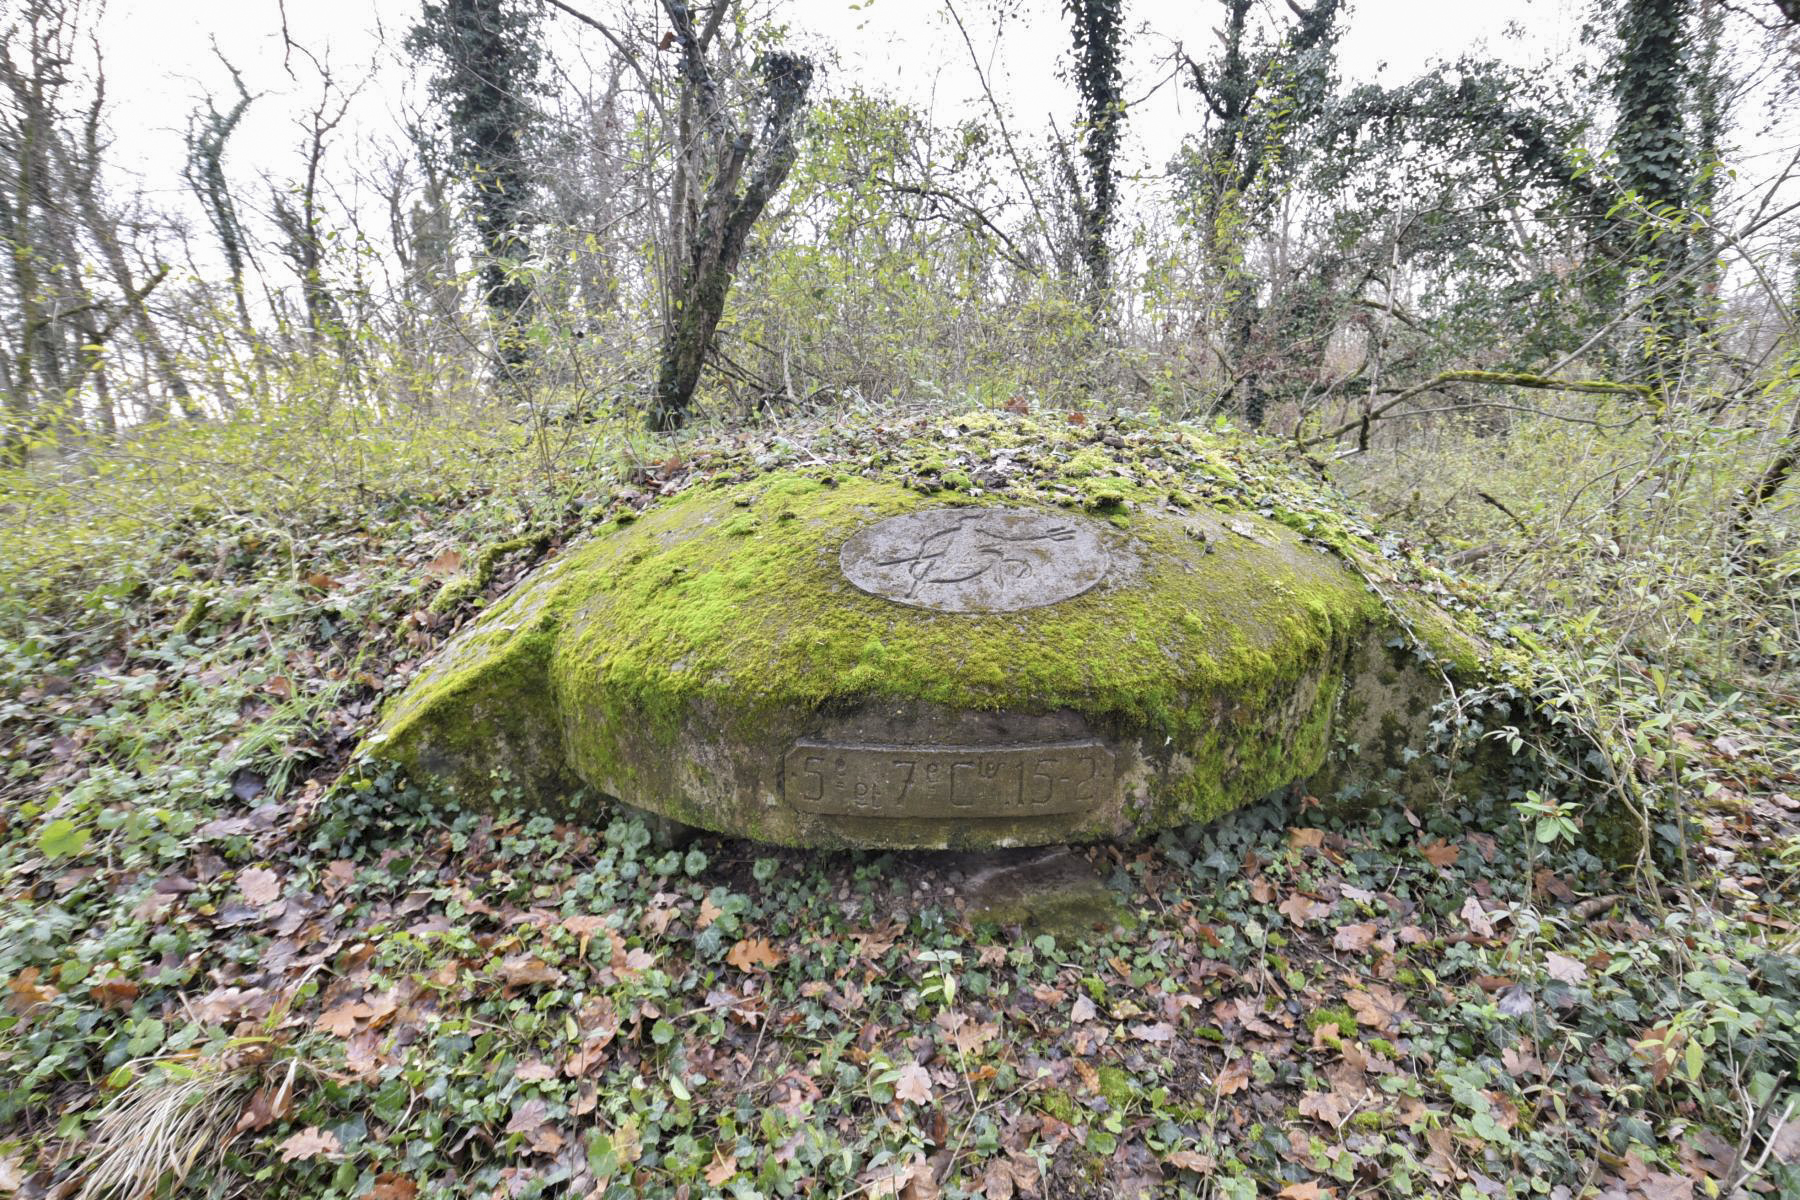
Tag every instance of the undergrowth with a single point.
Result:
(236, 962)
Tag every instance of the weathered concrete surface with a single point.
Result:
(822, 661)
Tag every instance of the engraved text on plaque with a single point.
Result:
(860, 779)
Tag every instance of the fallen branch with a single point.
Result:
(1503, 378)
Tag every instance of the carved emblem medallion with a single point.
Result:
(975, 560)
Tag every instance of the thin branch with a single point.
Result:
(1503, 378)
(631, 60)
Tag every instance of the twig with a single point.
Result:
(1523, 528)
(1590, 908)
(1504, 378)
(1768, 1148)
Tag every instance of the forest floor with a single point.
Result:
(228, 951)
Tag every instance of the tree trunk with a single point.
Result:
(726, 216)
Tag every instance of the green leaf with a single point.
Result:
(62, 838)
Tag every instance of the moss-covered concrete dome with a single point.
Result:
(822, 656)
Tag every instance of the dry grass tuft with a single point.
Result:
(173, 1115)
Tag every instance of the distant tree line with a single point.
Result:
(696, 219)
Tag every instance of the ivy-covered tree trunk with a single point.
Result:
(745, 173)
(1098, 29)
(1650, 86)
(1259, 101)
(489, 52)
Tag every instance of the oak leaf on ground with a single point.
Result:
(721, 1169)
(1440, 853)
(342, 1020)
(754, 952)
(310, 1143)
(1299, 909)
(1233, 1077)
(523, 970)
(913, 1084)
(1377, 1006)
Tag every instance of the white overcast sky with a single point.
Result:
(160, 61)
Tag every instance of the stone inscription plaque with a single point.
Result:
(872, 780)
(974, 560)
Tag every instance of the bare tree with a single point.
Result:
(46, 284)
(207, 138)
(724, 179)
(297, 209)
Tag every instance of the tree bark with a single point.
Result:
(726, 215)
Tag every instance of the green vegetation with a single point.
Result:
(391, 993)
(1513, 337)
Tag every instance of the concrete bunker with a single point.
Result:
(829, 657)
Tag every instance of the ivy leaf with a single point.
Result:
(62, 838)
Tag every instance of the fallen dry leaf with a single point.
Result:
(260, 887)
(1160, 1032)
(1328, 1107)
(1521, 1061)
(1354, 938)
(1476, 918)
(529, 1117)
(1014, 1173)
(1082, 1010)
(914, 1084)
(721, 1169)
(310, 1143)
(753, 952)
(1306, 839)
(1233, 1077)
(525, 970)
(1304, 1191)
(967, 1036)
(1440, 853)
(1378, 1007)
(1564, 968)
(1190, 1160)
(342, 1020)
(266, 1106)
(114, 993)
(392, 1186)
(1300, 909)
(709, 912)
